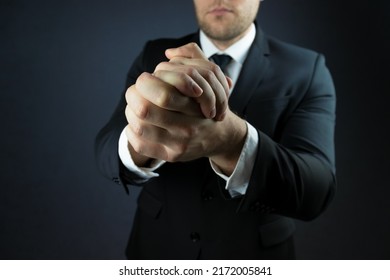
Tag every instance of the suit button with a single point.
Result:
(195, 237)
(116, 180)
(207, 196)
(256, 206)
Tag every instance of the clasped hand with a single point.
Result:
(180, 112)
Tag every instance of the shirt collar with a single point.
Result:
(238, 51)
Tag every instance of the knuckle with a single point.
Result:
(174, 60)
(183, 76)
(190, 71)
(127, 110)
(142, 111)
(215, 68)
(192, 131)
(138, 128)
(193, 45)
(158, 72)
(209, 75)
(129, 114)
(162, 66)
(189, 132)
(182, 79)
(129, 93)
(187, 81)
(143, 77)
(165, 98)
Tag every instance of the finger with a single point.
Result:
(225, 81)
(178, 80)
(181, 81)
(140, 110)
(214, 83)
(208, 100)
(201, 63)
(145, 147)
(191, 50)
(222, 116)
(176, 140)
(218, 91)
(162, 95)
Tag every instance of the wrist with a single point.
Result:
(138, 159)
(231, 146)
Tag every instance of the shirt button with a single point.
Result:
(195, 237)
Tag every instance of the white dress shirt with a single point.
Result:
(237, 182)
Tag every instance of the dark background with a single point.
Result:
(63, 66)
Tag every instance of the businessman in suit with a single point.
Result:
(226, 156)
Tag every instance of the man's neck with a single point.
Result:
(238, 50)
(224, 44)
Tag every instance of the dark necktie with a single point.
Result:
(222, 60)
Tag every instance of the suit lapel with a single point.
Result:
(252, 74)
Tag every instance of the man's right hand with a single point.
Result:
(176, 94)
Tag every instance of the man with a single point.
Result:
(225, 162)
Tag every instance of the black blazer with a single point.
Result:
(287, 94)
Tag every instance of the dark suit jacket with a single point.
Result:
(287, 93)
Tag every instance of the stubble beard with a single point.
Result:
(220, 31)
(224, 32)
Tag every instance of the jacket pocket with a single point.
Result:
(149, 204)
(276, 231)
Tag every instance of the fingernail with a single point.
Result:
(197, 89)
(213, 113)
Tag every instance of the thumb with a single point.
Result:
(191, 50)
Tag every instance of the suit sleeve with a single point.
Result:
(295, 176)
(106, 142)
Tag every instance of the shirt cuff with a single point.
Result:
(145, 173)
(238, 182)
